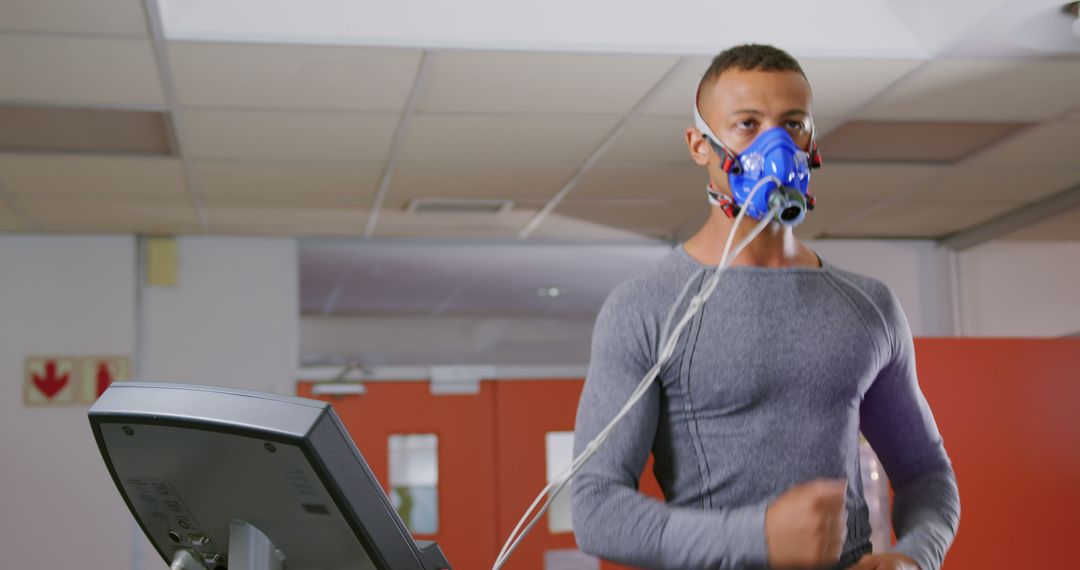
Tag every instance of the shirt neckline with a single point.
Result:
(682, 255)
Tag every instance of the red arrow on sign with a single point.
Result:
(51, 383)
(104, 377)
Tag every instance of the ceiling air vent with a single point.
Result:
(458, 206)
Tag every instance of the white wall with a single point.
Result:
(1003, 288)
(231, 320)
(1020, 289)
(423, 340)
(70, 295)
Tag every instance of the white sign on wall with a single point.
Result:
(70, 380)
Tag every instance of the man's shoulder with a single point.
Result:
(654, 288)
(881, 297)
(874, 288)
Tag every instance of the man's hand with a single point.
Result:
(807, 525)
(885, 561)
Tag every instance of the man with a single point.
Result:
(754, 421)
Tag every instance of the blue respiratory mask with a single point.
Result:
(772, 172)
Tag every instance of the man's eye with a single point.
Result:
(796, 125)
(747, 124)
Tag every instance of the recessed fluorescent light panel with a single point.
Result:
(94, 131)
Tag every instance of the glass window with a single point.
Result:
(560, 454)
(414, 480)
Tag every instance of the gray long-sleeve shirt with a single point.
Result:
(768, 388)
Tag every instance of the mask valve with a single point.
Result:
(790, 204)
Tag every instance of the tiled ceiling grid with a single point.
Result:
(298, 140)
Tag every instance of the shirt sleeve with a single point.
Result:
(896, 420)
(611, 518)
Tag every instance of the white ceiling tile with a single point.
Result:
(918, 219)
(141, 224)
(91, 176)
(557, 227)
(494, 139)
(652, 139)
(981, 90)
(521, 82)
(288, 135)
(536, 182)
(279, 183)
(515, 218)
(9, 222)
(613, 26)
(868, 181)
(62, 213)
(111, 17)
(277, 220)
(947, 26)
(822, 125)
(1051, 144)
(78, 70)
(974, 184)
(676, 96)
(501, 233)
(841, 86)
(1065, 226)
(938, 142)
(830, 214)
(663, 215)
(292, 77)
(504, 224)
(643, 180)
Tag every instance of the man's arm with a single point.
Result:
(611, 518)
(896, 420)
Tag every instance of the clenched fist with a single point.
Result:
(807, 525)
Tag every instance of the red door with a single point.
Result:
(466, 462)
(525, 412)
(491, 457)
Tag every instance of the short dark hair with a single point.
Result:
(751, 57)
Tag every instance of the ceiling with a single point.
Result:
(233, 117)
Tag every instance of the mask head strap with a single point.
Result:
(814, 155)
(726, 203)
(731, 162)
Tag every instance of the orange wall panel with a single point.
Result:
(525, 411)
(1009, 410)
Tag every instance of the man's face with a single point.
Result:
(742, 104)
